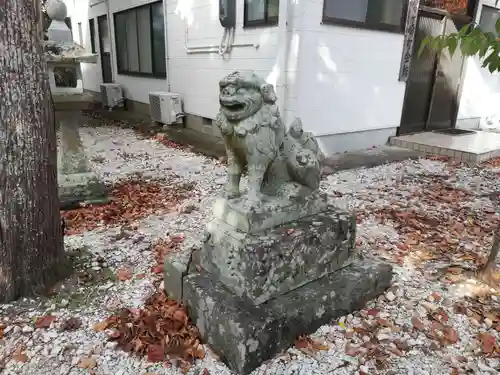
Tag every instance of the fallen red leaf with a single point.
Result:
(488, 342)
(417, 323)
(101, 326)
(113, 334)
(451, 334)
(123, 274)
(44, 321)
(156, 353)
(87, 363)
(436, 296)
(157, 269)
(20, 356)
(302, 342)
(372, 312)
(352, 350)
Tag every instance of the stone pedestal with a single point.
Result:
(245, 335)
(271, 212)
(77, 181)
(255, 293)
(263, 265)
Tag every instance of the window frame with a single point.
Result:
(155, 73)
(93, 46)
(264, 22)
(489, 8)
(400, 29)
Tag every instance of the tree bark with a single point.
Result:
(488, 268)
(31, 243)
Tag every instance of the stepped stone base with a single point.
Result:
(273, 262)
(245, 335)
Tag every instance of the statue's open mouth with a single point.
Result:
(233, 106)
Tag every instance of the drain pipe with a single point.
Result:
(283, 50)
(112, 41)
(167, 55)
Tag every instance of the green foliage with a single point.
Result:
(472, 41)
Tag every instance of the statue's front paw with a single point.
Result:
(254, 197)
(232, 192)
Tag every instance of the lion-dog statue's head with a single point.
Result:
(242, 94)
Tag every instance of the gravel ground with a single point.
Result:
(396, 326)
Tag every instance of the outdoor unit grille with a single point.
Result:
(112, 95)
(154, 107)
(165, 107)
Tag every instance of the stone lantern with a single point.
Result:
(77, 182)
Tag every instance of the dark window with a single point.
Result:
(388, 15)
(261, 13)
(92, 35)
(140, 41)
(489, 18)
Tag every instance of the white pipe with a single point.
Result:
(210, 48)
(112, 41)
(167, 56)
(283, 49)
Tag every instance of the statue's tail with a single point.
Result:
(302, 157)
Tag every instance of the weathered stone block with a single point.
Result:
(244, 335)
(81, 187)
(267, 264)
(175, 268)
(271, 212)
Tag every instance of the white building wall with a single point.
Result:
(348, 82)
(480, 99)
(82, 11)
(195, 67)
(339, 80)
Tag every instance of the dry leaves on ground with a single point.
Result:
(489, 345)
(436, 224)
(163, 139)
(123, 274)
(309, 346)
(87, 363)
(161, 328)
(130, 200)
(44, 321)
(479, 310)
(19, 355)
(71, 324)
(492, 163)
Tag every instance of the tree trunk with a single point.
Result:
(31, 242)
(488, 268)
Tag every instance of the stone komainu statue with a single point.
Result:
(278, 162)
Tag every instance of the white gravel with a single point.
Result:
(118, 153)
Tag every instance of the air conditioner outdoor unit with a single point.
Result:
(165, 107)
(112, 95)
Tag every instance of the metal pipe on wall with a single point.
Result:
(283, 51)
